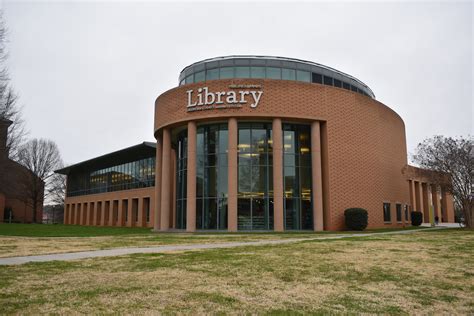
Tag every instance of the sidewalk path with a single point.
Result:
(160, 249)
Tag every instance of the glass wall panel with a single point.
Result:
(257, 72)
(297, 177)
(303, 76)
(212, 74)
(125, 176)
(211, 176)
(255, 185)
(199, 76)
(273, 73)
(226, 72)
(288, 74)
(242, 72)
(181, 178)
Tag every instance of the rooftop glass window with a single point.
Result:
(273, 73)
(270, 68)
(242, 72)
(288, 74)
(212, 74)
(327, 81)
(257, 72)
(199, 76)
(189, 79)
(227, 72)
(317, 78)
(303, 76)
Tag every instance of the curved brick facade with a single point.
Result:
(363, 146)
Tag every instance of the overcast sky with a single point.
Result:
(88, 73)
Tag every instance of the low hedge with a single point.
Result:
(416, 218)
(356, 218)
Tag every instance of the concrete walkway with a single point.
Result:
(161, 249)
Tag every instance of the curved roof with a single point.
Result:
(274, 61)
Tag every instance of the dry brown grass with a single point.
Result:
(420, 273)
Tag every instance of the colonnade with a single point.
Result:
(164, 177)
(423, 195)
(131, 212)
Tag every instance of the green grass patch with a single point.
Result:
(59, 230)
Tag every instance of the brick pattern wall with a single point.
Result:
(366, 146)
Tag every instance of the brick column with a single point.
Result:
(96, 213)
(277, 134)
(158, 174)
(141, 214)
(129, 210)
(232, 175)
(411, 183)
(121, 214)
(426, 202)
(191, 179)
(417, 205)
(66, 211)
(111, 213)
(166, 181)
(317, 184)
(435, 197)
(448, 207)
(104, 213)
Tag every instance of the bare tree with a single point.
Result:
(454, 156)
(9, 108)
(41, 157)
(56, 188)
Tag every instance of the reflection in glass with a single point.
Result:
(255, 177)
(297, 177)
(211, 176)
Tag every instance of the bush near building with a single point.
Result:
(416, 218)
(356, 218)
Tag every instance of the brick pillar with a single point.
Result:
(66, 212)
(447, 206)
(141, 214)
(97, 211)
(191, 179)
(158, 174)
(78, 213)
(121, 214)
(72, 219)
(111, 213)
(418, 206)
(426, 203)
(103, 214)
(232, 175)
(277, 134)
(129, 210)
(411, 183)
(166, 180)
(436, 204)
(317, 184)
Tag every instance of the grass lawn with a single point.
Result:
(35, 239)
(426, 272)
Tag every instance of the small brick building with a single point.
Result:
(14, 186)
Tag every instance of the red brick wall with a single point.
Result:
(366, 146)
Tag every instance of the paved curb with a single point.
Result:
(127, 251)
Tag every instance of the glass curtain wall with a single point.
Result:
(298, 213)
(211, 177)
(255, 176)
(181, 178)
(127, 176)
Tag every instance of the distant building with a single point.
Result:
(15, 204)
(249, 143)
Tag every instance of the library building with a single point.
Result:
(257, 143)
